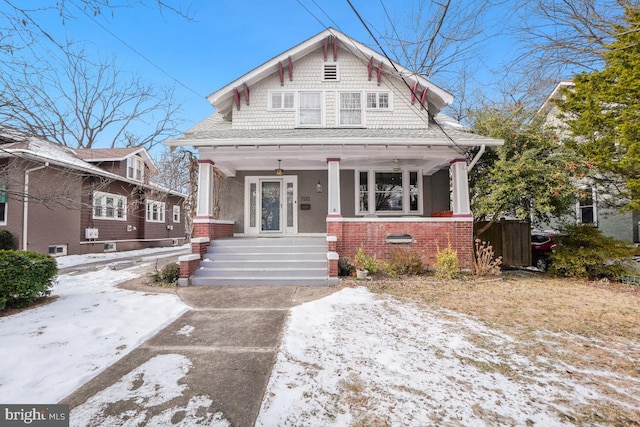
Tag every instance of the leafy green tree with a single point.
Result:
(602, 112)
(530, 176)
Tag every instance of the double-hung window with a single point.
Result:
(586, 207)
(176, 213)
(3, 202)
(155, 211)
(135, 168)
(310, 109)
(388, 192)
(351, 109)
(109, 206)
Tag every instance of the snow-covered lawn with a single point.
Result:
(355, 358)
(49, 351)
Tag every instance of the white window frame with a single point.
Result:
(340, 109)
(377, 96)
(176, 213)
(118, 204)
(135, 168)
(4, 195)
(321, 109)
(282, 95)
(160, 210)
(593, 206)
(371, 200)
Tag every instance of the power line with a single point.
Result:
(396, 69)
(136, 51)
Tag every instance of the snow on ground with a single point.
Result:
(73, 260)
(153, 384)
(49, 351)
(354, 358)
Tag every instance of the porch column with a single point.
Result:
(460, 188)
(205, 189)
(334, 187)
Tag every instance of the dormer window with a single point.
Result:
(135, 168)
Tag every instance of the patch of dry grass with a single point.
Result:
(591, 330)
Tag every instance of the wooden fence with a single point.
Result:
(510, 239)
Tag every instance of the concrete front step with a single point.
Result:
(268, 261)
(253, 281)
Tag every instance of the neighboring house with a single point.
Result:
(593, 205)
(61, 201)
(330, 139)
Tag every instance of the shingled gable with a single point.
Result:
(98, 155)
(223, 99)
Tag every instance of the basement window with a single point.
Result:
(57, 250)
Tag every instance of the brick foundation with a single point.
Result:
(205, 230)
(429, 235)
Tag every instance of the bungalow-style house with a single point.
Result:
(594, 206)
(324, 148)
(61, 201)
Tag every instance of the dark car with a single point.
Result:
(542, 244)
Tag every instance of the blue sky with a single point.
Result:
(227, 39)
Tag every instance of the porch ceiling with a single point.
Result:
(229, 159)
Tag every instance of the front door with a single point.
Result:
(271, 205)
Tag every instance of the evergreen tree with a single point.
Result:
(530, 177)
(602, 111)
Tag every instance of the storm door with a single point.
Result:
(271, 205)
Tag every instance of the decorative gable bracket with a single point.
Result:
(281, 71)
(331, 40)
(236, 96)
(370, 70)
(421, 95)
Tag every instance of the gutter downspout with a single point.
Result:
(25, 209)
(476, 158)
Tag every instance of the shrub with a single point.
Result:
(26, 276)
(6, 240)
(484, 262)
(404, 261)
(584, 252)
(344, 266)
(447, 264)
(364, 261)
(168, 275)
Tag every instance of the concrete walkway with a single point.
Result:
(233, 342)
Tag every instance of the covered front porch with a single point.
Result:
(367, 195)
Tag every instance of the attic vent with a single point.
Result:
(331, 72)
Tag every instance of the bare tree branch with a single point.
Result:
(82, 103)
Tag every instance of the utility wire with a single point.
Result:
(136, 51)
(396, 69)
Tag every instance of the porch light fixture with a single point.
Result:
(396, 165)
(318, 187)
(279, 171)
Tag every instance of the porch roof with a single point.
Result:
(234, 149)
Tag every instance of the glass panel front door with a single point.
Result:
(271, 205)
